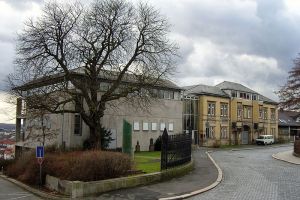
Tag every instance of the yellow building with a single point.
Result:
(229, 113)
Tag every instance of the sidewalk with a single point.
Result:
(204, 174)
(287, 156)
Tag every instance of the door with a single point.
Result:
(245, 137)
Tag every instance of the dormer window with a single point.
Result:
(242, 95)
(233, 93)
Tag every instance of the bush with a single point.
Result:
(157, 144)
(5, 163)
(77, 165)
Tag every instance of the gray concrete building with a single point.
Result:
(69, 130)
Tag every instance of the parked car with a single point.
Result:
(265, 139)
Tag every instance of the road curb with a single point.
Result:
(33, 190)
(266, 147)
(213, 185)
(275, 157)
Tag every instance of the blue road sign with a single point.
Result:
(39, 152)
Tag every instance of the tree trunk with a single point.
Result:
(95, 138)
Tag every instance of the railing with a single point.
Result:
(176, 149)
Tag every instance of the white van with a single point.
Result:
(265, 139)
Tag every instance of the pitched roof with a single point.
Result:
(227, 85)
(205, 89)
(288, 118)
(104, 76)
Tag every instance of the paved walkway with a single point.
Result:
(254, 174)
(204, 174)
(10, 191)
(287, 156)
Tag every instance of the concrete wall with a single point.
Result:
(60, 127)
(77, 189)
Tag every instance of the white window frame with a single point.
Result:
(153, 126)
(211, 108)
(171, 126)
(145, 126)
(211, 132)
(224, 132)
(136, 125)
(224, 109)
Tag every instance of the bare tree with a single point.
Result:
(289, 94)
(39, 119)
(74, 50)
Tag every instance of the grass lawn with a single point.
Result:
(147, 161)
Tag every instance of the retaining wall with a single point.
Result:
(77, 189)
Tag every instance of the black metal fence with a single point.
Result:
(176, 149)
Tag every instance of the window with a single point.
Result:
(171, 126)
(77, 124)
(176, 95)
(166, 95)
(211, 132)
(161, 94)
(242, 95)
(265, 113)
(233, 94)
(153, 126)
(162, 126)
(254, 97)
(266, 131)
(261, 113)
(273, 130)
(145, 126)
(239, 110)
(273, 117)
(224, 131)
(211, 108)
(248, 96)
(247, 112)
(224, 110)
(136, 126)
(171, 95)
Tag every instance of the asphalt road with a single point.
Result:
(10, 191)
(254, 174)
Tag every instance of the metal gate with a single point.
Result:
(245, 137)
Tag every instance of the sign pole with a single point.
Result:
(40, 157)
(40, 175)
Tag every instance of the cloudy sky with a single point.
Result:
(252, 42)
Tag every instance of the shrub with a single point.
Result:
(25, 168)
(5, 163)
(77, 165)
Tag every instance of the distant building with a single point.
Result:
(228, 113)
(7, 149)
(288, 125)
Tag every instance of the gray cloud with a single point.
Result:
(248, 41)
(225, 31)
(21, 4)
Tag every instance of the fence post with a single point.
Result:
(164, 150)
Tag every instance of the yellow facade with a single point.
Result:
(206, 120)
(246, 119)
